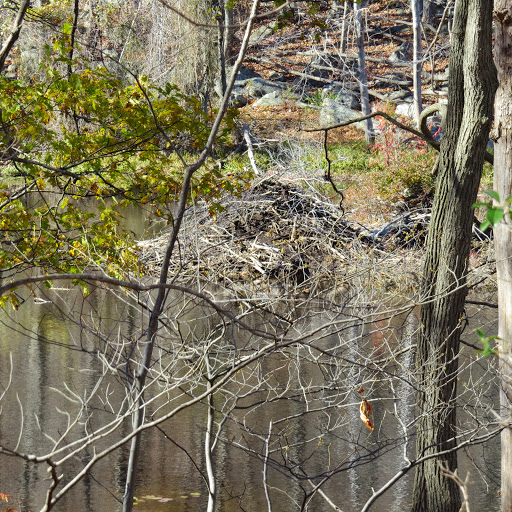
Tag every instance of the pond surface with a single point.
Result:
(44, 352)
(292, 417)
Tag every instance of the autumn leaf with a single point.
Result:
(365, 411)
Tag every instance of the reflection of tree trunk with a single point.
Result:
(503, 232)
(208, 441)
(472, 84)
(363, 85)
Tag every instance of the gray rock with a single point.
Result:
(260, 34)
(257, 87)
(277, 77)
(405, 109)
(341, 96)
(272, 98)
(244, 74)
(238, 101)
(403, 53)
(334, 112)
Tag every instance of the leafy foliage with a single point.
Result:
(80, 132)
(495, 213)
(486, 343)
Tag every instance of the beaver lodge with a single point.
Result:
(280, 234)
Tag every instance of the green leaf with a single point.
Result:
(486, 342)
(494, 215)
(484, 225)
(493, 194)
(485, 205)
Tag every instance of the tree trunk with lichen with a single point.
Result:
(472, 84)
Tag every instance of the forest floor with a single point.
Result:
(316, 36)
(291, 227)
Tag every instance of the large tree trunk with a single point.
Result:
(503, 232)
(472, 84)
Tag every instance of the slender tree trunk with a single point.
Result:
(229, 33)
(503, 232)
(141, 374)
(14, 34)
(363, 83)
(417, 59)
(221, 23)
(343, 35)
(472, 84)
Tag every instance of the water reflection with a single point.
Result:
(301, 403)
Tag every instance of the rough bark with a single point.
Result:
(472, 84)
(503, 232)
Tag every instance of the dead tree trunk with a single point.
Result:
(417, 59)
(503, 232)
(363, 83)
(472, 84)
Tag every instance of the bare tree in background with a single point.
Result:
(363, 83)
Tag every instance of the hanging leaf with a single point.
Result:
(365, 411)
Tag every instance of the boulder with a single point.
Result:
(244, 74)
(261, 33)
(405, 109)
(271, 98)
(341, 95)
(238, 101)
(334, 112)
(258, 87)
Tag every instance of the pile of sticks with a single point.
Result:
(276, 232)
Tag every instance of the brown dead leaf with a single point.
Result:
(365, 411)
